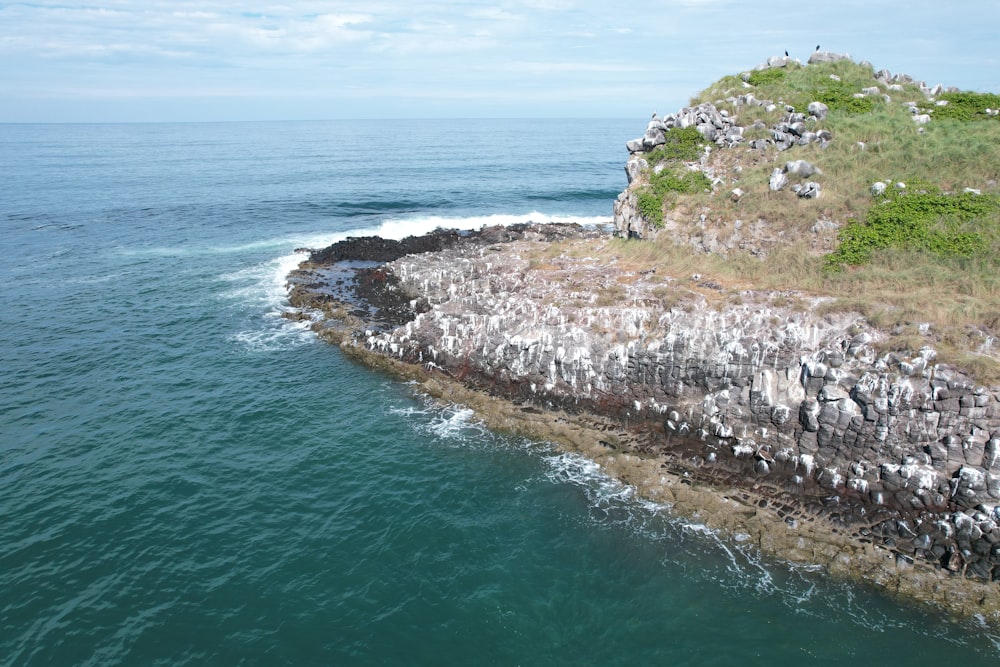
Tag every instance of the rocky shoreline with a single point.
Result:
(753, 416)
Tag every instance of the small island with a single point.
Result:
(789, 334)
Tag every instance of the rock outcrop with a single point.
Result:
(806, 410)
(902, 451)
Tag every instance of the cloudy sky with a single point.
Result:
(159, 60)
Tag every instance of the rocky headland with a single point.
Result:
(757, 411)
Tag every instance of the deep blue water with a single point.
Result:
(188, 478)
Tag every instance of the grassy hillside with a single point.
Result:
(920, 260)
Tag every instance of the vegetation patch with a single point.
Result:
(680, 180)
(683, 143)
(963, 106)
(924, 221)
(677, 180)
(840, 96)
(651, 207)
(763, 77)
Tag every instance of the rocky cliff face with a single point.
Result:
(902, 451)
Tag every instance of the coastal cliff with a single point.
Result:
(769, 412)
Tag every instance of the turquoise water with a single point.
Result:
(188, 478)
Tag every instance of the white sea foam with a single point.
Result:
(398, 228)
(453, 422)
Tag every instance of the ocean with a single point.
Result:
(188, 478)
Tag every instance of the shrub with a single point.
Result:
(651, 207)
(839, 97)
(928, 221)
(683, 144)
(964, 106)
(763, 77)
(684, 181)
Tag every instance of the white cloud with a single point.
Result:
(462, 50)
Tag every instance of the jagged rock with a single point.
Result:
(809, 191)
(635, 146)
(634, 168)
(654, 137)
(878, 188)
(778, 180)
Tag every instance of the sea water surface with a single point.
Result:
(188, 478)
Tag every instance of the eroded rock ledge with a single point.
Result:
(791, 426)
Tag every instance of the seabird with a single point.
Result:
(786, 53)
(817, 47)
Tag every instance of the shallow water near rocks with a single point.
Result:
(187, 477)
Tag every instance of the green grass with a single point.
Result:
(927, 254)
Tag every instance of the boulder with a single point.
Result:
(654, 137)
(778, 180)
(826, 57)
(801, 168)
(818, 110)
(809, 191)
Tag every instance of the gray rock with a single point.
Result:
(808, 138)
(778, 180)
(818, 110)
(653, 138)
(826, 57)
(635, 146)
(801, 168)
(809, 191)
(633, 168)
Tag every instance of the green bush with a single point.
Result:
(839, 96)
(683, 181)
(651, 207)
(964, 106)
(763, 77)
(927, 221)
(683, 143)
(669, 181)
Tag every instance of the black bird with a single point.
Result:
(786, 53)
(817, 47)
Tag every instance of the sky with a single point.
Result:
(162, 61)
